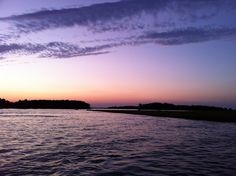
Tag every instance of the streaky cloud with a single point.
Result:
(53, 49)
(190, 35)
(99, 16)
(128, 22)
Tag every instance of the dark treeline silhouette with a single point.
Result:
(168, 106)
(4, 103)
(44, 104)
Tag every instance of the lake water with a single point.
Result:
(78, 142)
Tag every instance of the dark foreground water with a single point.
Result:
(70, 142)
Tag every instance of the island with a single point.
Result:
(193, 112)
(44, 104)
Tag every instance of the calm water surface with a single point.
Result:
(74, 142)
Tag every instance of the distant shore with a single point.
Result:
(44, 104)
(217, 116)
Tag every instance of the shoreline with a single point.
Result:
(215, 116)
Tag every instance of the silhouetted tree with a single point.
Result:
(45, 104)
(4, 103)
(168, 106)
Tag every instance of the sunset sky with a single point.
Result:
(119, 52)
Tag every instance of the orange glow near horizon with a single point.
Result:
(109, 80)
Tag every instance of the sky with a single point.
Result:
(119, 52)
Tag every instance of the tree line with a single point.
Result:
(44, 104)
(168, 106)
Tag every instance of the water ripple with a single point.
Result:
(70, 142)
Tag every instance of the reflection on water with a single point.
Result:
(70, 142)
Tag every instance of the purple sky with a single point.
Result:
(119, 52)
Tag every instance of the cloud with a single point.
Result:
(190, 35)
(53, 49)
(4, 37)
(99, 16)
(127, 22)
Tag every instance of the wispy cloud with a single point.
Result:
(98, 17)
(169, 22)
(53, 49)
(190, 35)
